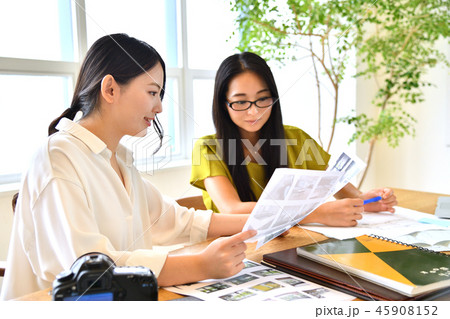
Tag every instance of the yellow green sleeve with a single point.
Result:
(207, 161)
(303, 151)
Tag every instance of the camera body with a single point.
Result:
(94, 276)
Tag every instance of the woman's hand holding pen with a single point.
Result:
(341, 212)
(223, 257)
(386, 203)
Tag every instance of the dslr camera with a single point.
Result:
(94, 276)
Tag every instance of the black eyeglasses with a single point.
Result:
(245, 105)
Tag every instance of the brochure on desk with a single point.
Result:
(406, 225)
(259, 282)
(292, 194)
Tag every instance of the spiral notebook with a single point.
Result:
(289, 262)
(406, 269)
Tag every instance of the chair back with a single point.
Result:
(195, 202)
(2, 268)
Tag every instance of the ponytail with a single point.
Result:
(69, 113)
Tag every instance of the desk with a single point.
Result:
(420, 201)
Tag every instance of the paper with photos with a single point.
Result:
(292, 194)
(349, 167)
(257, 282)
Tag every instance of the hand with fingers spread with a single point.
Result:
(343, 212)
(223, 257)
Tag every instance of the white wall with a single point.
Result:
(421, 163)
(6, 219)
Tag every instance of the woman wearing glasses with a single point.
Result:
(233, 166)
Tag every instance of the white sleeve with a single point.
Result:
(172, 223)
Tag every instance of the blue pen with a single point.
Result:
(372, 200)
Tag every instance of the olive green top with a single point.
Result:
(302, 152)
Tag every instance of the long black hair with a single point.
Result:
(226, 130)
(119, 55)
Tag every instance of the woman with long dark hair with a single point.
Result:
(233, 166)
(82, 193)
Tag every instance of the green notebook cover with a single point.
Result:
(406, 269)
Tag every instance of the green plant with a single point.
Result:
(396, 48)
(393, 38)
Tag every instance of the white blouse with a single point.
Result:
(72, 202)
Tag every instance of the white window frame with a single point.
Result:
(183, 74)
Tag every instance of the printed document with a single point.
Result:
(292, 194)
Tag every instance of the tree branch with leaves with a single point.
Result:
(396, 47)
(291, 30)
(394, 39)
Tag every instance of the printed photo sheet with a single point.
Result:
(262, 283)
(349, 167)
